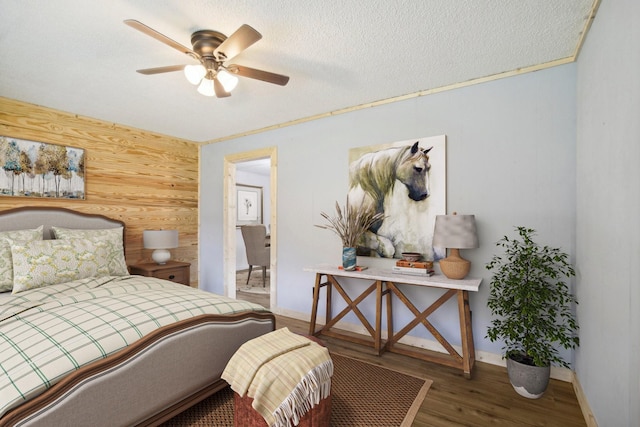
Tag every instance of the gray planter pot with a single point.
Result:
(528, 381)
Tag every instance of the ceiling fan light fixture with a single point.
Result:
(206, 87)
(227, 80)
(194, 73)
(212, 49)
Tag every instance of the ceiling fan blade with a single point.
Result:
(160, 37)
(158, 70)
(220, 92)
(244, 37)
(253, 73)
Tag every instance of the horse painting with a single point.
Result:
(397, 182)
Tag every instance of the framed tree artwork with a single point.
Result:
(39, 169)
(249, 204)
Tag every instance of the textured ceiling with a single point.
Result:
(78, 56)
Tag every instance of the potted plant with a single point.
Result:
(350, 224)
(532, 308)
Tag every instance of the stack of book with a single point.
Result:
(420, 268)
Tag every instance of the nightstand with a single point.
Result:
(175, 271)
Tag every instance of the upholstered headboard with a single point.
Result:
(32, 217)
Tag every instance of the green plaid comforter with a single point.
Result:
(49, 332)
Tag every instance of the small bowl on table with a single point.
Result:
(411, 256)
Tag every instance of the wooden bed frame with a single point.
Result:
(149, 382)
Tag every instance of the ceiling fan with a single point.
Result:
(212, 49)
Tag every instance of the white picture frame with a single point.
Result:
(249, 204)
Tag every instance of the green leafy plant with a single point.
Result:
(350, 223)
(532, 301)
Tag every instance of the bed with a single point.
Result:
(82, 342)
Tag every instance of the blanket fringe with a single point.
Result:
(314, 386)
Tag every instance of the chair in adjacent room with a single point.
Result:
(258, 253)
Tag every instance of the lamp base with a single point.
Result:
(454, 266)
(161, 256)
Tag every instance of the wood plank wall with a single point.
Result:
(147, 180)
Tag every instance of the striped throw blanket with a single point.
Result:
(47, 333)
(285, 374)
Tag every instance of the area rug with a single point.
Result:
(363, 395)
(255, 282)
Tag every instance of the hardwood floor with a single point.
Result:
(262, 299)
(486, 400)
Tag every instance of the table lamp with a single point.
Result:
(161, 241)
(455, 232)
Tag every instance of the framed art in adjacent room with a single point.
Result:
(39, 169)
(249, 204)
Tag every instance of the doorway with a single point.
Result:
(253, 171)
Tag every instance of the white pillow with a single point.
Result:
(112, 238)
(6, 262)
(49, 262)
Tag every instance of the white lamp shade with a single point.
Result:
(455, 231)
(206, 87)
(227, 80)
(160, 239)
(194, 73)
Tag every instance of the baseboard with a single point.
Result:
(587, 413)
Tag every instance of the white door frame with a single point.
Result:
(230, 212)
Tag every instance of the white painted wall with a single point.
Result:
(608, 214)
(510, 161)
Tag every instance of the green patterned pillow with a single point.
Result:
(6, 262)
(110, 237)
(49, 262)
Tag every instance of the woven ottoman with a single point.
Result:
(246, 416)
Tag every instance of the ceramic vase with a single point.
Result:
(349, 259)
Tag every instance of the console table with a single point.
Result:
(386, 285)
